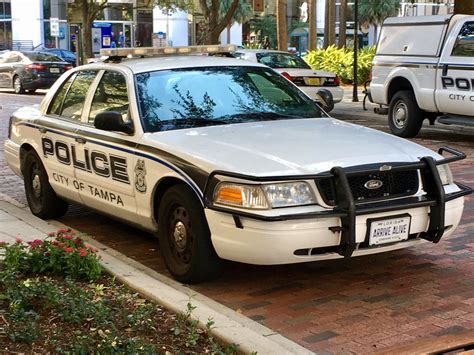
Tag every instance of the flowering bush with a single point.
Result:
(61, 253)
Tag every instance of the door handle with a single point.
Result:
(445, 69)
(42, 130)
(80, 140)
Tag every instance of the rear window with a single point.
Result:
(282, 60)
(42, 57)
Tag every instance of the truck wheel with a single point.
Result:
(42, 199)
(17, 85)
(405, 118)
(185, 239)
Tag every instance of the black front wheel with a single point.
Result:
(184, 237)
(42, 199)
(405, 117)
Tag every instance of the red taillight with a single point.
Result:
(35, 66)
(286, 75)
(337, 81)
(67, 67)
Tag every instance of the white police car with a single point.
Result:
(225, 158)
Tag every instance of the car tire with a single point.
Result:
(42, 199)
(405, 117)
(17, 85)
(184, 236)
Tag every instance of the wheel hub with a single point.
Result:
(400, 115)
(180, 236)
(36, 184)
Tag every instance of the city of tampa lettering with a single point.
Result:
(94, 162)
(96, 192)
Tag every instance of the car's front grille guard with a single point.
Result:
(347, 209)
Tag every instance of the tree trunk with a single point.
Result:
(86, 30)
(213, 36)
(312, 25)
(326, 23)
(332, 22)
(282, 34)
(464, 7)
(342, 24)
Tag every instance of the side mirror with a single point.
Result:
(325, 99)
(112, 121)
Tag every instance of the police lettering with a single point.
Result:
(94, 162)
(463, 84)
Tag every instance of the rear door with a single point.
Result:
(455, 79)
(59, 140)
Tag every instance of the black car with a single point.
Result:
(64, 54)
(28, 71)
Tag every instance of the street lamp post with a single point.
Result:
(355, 97)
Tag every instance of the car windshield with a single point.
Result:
(282, 60)
(193, 97)
(42, 57)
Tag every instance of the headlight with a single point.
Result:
(445, 174)
(264, 196)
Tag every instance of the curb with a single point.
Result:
(230, 326)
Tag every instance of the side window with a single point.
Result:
(76, 95)
(464, 46)
(57, 102)
(111, 95)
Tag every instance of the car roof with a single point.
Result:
(261, 51)
(141, 65)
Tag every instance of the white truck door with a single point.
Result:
(455, 74)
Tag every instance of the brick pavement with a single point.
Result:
(354, 306)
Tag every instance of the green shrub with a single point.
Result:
(341, 62)
(61, 253)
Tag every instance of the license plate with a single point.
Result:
(312, 81)
(54, 70)
(383, 231)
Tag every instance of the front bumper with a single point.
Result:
(334, 232)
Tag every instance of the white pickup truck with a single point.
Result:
(424, 69)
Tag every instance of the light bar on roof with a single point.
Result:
(158, 51)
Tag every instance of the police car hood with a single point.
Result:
(285, 147)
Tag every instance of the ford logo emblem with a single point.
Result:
(373, 184)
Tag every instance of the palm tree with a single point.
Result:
(374, 12)
(282, 28)
(342, 24)
(329, 23)
(312, 28)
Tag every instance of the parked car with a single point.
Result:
(28, 71)
(226, 159)
(295, 69)
(424, 69)
(64, 54)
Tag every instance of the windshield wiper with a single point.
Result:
(251, 116)
(192, 122)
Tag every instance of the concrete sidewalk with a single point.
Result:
(16, 221)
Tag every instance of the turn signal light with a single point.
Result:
(230, 195)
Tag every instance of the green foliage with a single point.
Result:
(341, 62)
(265, 26)
(60, 254)
(376, 11)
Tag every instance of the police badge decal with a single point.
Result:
(140, 174)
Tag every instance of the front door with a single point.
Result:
(455, 79)
(108, 172)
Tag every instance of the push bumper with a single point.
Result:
(338, 232)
